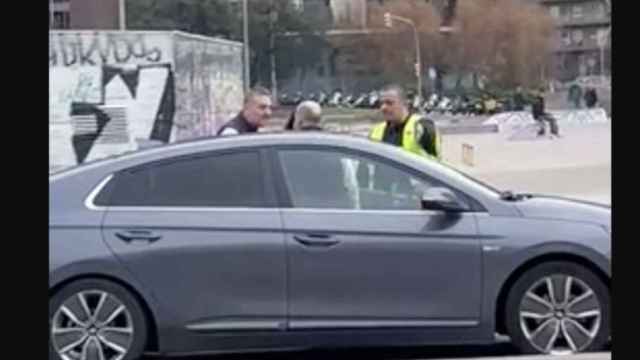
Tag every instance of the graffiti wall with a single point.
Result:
(111, 91)
(208, 84)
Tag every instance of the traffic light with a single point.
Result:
(387, 20)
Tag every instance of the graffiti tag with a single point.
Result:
(96, 49)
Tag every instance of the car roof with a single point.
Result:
(195, 145)
(97, 171)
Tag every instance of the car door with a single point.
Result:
(203, 233)
(363, 254)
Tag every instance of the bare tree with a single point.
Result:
(506, 41)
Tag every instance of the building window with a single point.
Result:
(565, 13)
(576, 11)
(566, 38)
(602, 37)
(555, 12)
(578, 37)
(61, 20)
(298, 5)
(600, 10)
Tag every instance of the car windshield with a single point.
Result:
(461, 176)
(457, 175)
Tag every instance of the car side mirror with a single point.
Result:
(442, 199)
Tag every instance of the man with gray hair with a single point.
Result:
(256, 113)
(308, 116)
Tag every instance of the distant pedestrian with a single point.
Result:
(539, 114)
(590, 97)
(575, 96)
(518, 100)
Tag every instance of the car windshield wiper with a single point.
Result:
(511, 196)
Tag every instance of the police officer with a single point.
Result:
(256, 113)
(411, 132)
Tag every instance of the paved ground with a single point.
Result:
(576, 165)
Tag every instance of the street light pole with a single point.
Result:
(245, 36)
(52, 23)
(418, 65)
(272, 47)
(603, 42)
(122, 14)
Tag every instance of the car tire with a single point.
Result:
(581, 324)
(116, 324)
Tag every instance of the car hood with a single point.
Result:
(559, 208)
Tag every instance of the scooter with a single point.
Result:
(298, 98)
(374, 100)
(336, 99)
(346, 101)
(322, 98)
(360, 101)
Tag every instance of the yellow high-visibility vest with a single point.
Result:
(410, 142)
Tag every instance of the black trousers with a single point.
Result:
(553, 123)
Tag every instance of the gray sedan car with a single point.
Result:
(294, 241)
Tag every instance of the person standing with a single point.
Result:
(308, 117)
(590, 97)
(539, 114)
(402, 128)
(255, 113)
(519, 100)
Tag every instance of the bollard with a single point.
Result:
(468, 154)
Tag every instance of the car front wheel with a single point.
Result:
(558, 308)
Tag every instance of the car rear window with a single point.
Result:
(227, 180)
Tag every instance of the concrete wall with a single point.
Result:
(111, 91)
(208, 84)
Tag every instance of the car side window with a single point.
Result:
(338, 180)
(225, 180)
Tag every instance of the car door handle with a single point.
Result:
(129, 236)
(316, 240)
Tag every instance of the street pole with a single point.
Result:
(52, 19)
(272, 48)
(418, 64)
(602, 61)
(122, 16)
(245, 22)
(603, 44)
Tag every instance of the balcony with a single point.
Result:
(586, 46)
(589, 20)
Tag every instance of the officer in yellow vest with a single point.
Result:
(412, 132)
